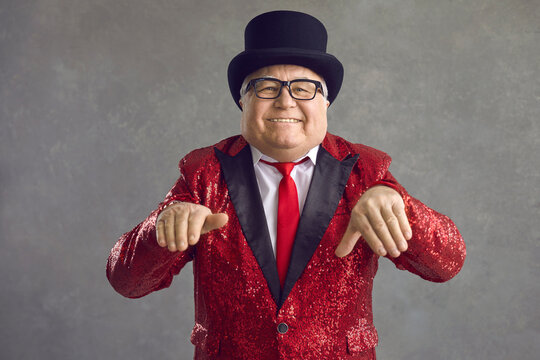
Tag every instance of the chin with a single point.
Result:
(287, 146)
(290, 141)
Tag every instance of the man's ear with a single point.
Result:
(327, 104)
(241, 104)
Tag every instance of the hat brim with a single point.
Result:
(324, 64)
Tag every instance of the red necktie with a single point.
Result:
(288, 217)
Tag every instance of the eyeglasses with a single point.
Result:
(299, 89)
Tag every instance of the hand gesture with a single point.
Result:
(183, 223)
(379, 217)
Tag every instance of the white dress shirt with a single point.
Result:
(268, 178)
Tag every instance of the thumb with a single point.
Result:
(214, 221)
(347, 242)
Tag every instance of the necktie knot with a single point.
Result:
(285, 168)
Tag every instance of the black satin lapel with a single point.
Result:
(244, 192)
(327, 185)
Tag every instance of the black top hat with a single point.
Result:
(285, 37)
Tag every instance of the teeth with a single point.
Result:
(285, 120)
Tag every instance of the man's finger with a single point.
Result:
(381, 233)
(395, 230)
(347, 242)
(214, 221)
(372, 239)
(161, 234)
(195, 225)
(181, 228)
(399, 211)
(168, 229)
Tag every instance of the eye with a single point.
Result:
(268, 88)
(303, 89)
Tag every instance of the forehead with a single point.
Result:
(285, 72)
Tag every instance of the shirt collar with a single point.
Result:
(257, 155)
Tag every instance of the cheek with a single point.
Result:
(246, 127)
(250, 126)
(316, 131)
(318, 124)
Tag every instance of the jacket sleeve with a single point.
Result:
(137, 265)
(436, 251)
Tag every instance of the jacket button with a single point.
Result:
(282, 328)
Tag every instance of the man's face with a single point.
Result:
(284, 128)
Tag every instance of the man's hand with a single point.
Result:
(379, 216)
(183, 223)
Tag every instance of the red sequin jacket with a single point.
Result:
(324, 310)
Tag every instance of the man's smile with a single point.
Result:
(284, 120)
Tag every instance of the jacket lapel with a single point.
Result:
(244, 192)
(327, 185)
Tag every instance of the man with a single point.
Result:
(286, 222)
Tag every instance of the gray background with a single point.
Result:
(99, 99)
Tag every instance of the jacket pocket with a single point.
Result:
(361, 338)
(207, 344)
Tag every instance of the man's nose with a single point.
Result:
(285, 100)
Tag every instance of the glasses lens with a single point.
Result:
(303, 89)
(267, 89)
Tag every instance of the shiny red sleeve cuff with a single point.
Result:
(436, 251)
(137, 265)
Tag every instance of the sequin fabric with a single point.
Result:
(328, 312)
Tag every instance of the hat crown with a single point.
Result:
(285, 29)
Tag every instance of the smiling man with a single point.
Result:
(285, 128)
(286, 222)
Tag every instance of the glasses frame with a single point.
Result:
(252, 82)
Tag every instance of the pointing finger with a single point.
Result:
(214, 221)
(195, 224)
(372, 239)
(347, 242)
